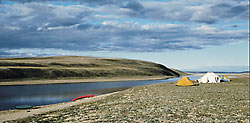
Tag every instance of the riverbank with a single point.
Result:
(18, 114)
(221, 102)
(98, 79)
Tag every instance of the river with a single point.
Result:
(35, 95)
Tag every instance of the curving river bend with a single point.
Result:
(35, 95)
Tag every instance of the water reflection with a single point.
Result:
(11, 96)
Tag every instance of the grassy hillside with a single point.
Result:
(181, 73)
(75, 67)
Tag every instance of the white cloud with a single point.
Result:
(107, 27)
(206, 28)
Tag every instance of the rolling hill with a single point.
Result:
(77, 67)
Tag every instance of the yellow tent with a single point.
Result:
(220, 77)
(227, 77)
(224, 78)
(185, 81)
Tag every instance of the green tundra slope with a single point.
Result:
(77, 67)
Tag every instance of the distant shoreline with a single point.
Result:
(229, 74)
(218, 72)
(71, 81)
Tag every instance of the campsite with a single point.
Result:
(209, 77)
(165, 102)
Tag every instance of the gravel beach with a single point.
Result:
(222, 102)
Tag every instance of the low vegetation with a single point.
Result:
(75, 67)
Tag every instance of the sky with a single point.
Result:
(182, 34)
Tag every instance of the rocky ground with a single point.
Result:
(222, 102)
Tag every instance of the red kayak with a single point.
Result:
(83, 97)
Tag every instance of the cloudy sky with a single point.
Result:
(182, 34)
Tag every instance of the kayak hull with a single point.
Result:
(81, 97)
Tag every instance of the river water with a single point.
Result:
(35, 95)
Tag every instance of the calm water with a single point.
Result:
(35, 95)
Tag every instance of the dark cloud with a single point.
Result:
(133, 5)
(228, 11)
(183, 11)
(242, 11)
(235, 26)
(117, 36)
(175, 11)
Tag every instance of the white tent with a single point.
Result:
(209, 77)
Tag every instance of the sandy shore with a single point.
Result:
(221, 102)
(19, 114)
(100, 79)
